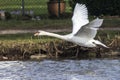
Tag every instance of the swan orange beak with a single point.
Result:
(36, 34)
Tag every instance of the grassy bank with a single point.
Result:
(22, 46)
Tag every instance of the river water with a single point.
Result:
(97, 69)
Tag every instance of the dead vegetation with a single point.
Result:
(20, 50)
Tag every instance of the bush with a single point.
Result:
(100, 7)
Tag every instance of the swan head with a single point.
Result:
(40, 33)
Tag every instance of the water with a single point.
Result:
(61, 70)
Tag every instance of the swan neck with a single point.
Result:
(55, 35)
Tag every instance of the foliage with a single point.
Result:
(100, 7)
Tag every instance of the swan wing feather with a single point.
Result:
(90, 30)
(80, 17)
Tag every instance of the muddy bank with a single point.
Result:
(16, 50)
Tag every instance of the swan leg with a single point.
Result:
(56, 50)
(98, 52)
(72, 46)
(77, 52)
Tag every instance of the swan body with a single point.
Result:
(83, 32)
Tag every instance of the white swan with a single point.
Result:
(83, 32)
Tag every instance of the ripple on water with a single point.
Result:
(60, 70)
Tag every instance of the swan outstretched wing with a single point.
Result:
(89, 31)
(80, 17)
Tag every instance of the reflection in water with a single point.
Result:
(60, 70)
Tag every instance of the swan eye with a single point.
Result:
(93, 42)
(37, 33)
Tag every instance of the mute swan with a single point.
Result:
(83, 32)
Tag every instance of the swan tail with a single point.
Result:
(99, 43)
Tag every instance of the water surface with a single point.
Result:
(106, 69)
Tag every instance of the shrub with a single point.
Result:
(99, 7)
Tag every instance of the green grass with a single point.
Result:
(38, 6)
(25, 38)
(50, 24)
(29, 36)
(29, 24)
(7, 4)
